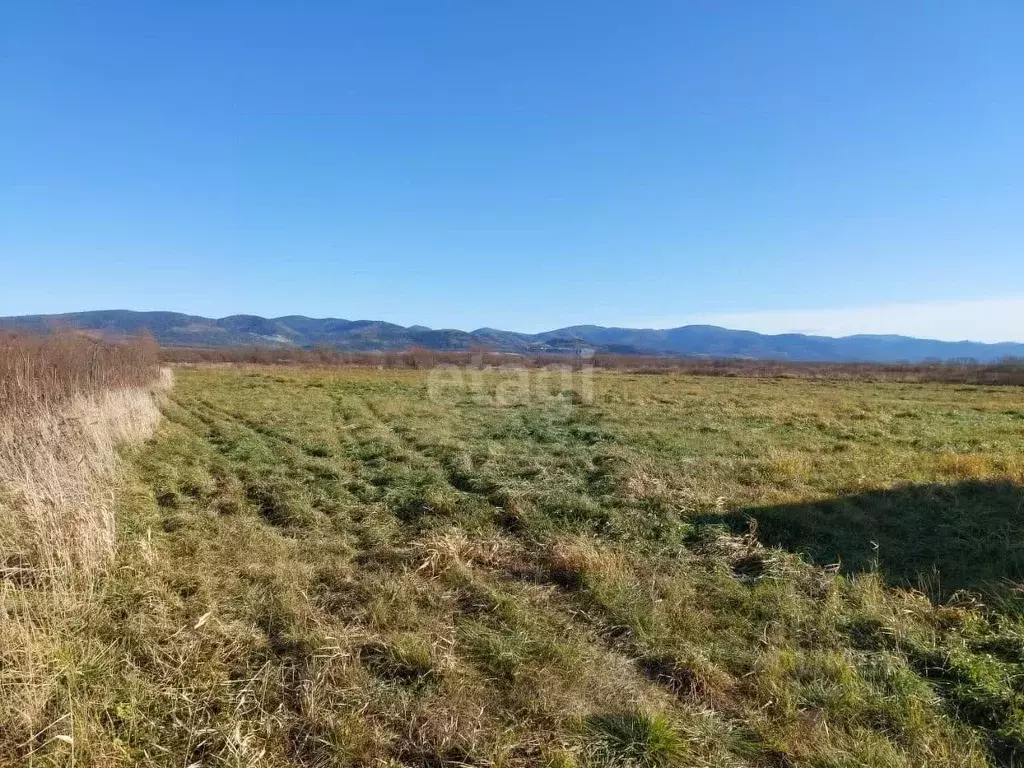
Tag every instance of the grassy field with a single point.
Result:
(333, 567)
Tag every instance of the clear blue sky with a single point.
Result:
(523, 164)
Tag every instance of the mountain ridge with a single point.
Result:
(182, 330)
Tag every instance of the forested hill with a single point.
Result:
(175, 329)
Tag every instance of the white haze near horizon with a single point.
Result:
(986, 320)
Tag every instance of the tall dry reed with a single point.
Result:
(37, 370)
(58, 464)
(67, 403)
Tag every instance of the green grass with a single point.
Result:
(330, 568)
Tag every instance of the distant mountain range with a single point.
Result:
(178, 330)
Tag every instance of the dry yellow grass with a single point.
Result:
(57, 464)
(67, 413)
(58, 471)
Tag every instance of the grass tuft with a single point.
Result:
(640, 740)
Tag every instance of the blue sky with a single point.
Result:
(830, 167)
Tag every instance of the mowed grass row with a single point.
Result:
(337, 568)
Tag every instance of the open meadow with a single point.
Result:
(351, 567)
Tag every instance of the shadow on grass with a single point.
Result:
(941, 538)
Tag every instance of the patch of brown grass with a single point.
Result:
(963, 465)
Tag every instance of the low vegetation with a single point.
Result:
(1009, 371)
(342, 566)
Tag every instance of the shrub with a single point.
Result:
(39, 370)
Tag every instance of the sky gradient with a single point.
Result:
(834, 167)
